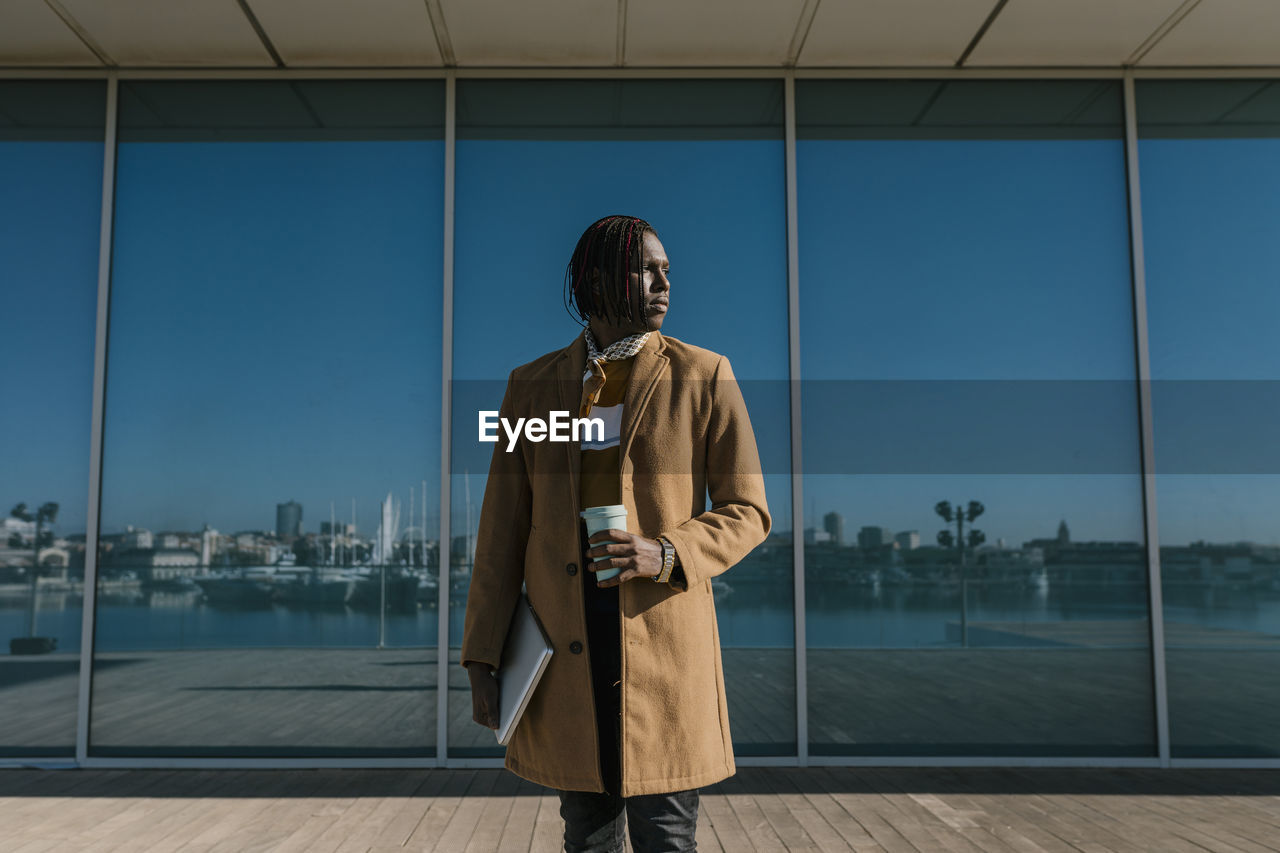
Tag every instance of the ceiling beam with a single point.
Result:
(81, 33)
(620, 59)
(443, 43)
(1161, 31)
(982, 31)
(262, 34)
(803, 23)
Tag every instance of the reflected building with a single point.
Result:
(289, 520)
(870, 538)
(908, 540)
(833, 523)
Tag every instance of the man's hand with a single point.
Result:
(637, 556)
(484, 695)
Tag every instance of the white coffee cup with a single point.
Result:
(603, 518)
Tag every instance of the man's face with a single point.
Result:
(653, 279)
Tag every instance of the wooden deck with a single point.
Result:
(897, 810)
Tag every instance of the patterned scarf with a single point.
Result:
(593, 378)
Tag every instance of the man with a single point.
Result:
(630, 713)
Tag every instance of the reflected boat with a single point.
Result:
(428, 591)
(179, 584)
(319, 586)
(402, 590)
(237, 589)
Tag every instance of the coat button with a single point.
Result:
(572, 568)
(575, 647)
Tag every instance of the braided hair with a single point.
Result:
(614, 245)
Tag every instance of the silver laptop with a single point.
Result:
(524, 658)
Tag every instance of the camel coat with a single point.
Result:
(685, 432)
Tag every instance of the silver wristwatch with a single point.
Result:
(668, 560)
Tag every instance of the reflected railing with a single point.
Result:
(943, 605)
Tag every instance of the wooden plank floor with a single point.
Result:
(758, 810)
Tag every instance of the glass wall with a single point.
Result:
(975, 555)
(975, 577)
(1210, 166)
(268, 569)
(703, 161)
(51, 153)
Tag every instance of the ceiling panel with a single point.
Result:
(518, 32)
(339, 32)
(1222, 32)
(1082, 32)
(166, 32)
(31, 34)
(710, 32)
(892, 32)
(583, 33)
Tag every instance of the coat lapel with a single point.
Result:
(648, 367)
(569, 370)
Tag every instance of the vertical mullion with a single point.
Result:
(89, 595)
(1144, 410)
(793, 369)
(443, 665)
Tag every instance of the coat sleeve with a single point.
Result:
(717, 539)
(496, 577)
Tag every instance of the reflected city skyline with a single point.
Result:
(414, 543)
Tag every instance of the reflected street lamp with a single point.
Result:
(946, 540)
(960, 516)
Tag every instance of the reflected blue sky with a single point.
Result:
(962, 259)
(49, 222)
(950, 259)
(1211, 225)
(275, 331)
(715, 205)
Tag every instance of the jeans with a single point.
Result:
(659, 823)
(593, 822)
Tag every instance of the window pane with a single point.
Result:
(967, 351)
(702, 161)
(1210, 163)
(271, 462)
(50, 214)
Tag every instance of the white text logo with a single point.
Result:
(560, 428)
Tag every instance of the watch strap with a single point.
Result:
(668, 560)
